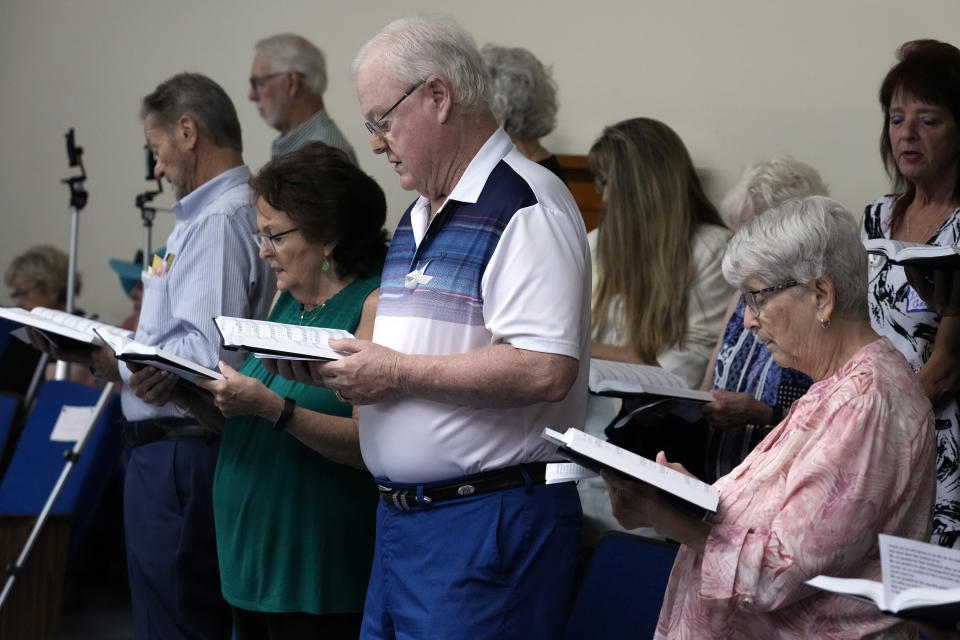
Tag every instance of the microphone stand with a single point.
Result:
(78, 200)
(147, 213)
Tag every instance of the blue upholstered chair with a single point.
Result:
(623, 589)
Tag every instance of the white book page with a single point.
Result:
(293, 340)
(609, 376)
(690, 489)
(72, 423)
(865, 590)
(899, 251)
(124, 346)
(113, 339)
(77, 322)
(910, 566)
(61, 323)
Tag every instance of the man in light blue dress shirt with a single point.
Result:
(287, 81)
(211, 268)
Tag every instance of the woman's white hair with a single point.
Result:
(764, 185)
(290, 52)
(524, 93)
(417, 47)
(799, 241)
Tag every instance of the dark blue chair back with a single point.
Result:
(623, 589)
(10, 409)
(38, 461)
(6, 326)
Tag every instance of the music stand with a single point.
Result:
(71, 459)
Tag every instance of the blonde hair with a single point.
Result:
(654, 205)
(47, 267)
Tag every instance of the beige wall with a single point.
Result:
(738, 80)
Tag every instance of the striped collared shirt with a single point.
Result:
(214, 270)
(320, 126)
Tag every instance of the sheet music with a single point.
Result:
(60, 323)
(608, 376)
(292, 340)
(909, 564)
(611, 456)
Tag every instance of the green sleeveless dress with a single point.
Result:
(295, 531)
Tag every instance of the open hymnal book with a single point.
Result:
(921, 582)
(597, 454)
(277, 340)
(61, 323)
(912, 253)
(130, 350)
(624, 380)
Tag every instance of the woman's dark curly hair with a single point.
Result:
(329, 199)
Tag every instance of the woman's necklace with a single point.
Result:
(928, 229)
(312, 314)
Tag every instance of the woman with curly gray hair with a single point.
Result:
(524, 101)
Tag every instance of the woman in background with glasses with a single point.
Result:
(853, 457)
(37, 278)
(294, 508)
(920, 146)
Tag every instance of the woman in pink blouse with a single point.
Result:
(854, 457)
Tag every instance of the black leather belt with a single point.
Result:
(143, 432)
(407, 497)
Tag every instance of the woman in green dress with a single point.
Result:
(294, 507)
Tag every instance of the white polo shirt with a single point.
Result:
(505, 260)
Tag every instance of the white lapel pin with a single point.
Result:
(417, 276)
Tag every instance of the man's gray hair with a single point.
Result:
(290, 52)
(801, 240)
(764, 185)
(524, 93)
(200, 98)
(417, 47)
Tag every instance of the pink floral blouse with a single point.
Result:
(853, 458)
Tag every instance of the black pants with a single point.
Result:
(256, 625)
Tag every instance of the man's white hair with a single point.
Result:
(417, 47)
(290, 52)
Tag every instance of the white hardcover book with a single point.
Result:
(130, 350)
(597, 454)
(61, 323)
(921, 581)
(277, 340)
(624, 379)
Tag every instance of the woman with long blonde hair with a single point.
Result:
(659, 295)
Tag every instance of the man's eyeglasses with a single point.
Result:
(257, 82)
(750, 297)
(378, 127)
(270, 241)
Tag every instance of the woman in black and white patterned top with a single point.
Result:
(920, 146)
